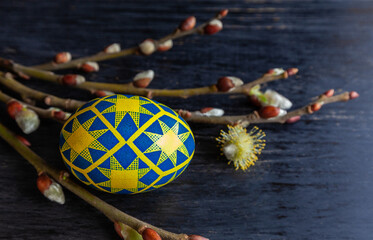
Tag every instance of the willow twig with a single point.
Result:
(28, 94)
(43, 113)
(101, 56)
(108, 210)
(255, 118)
(129, 88)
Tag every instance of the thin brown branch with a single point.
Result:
(129, 88)
(43, 113)
(108, 210)
(28, 94)
(254, 117)
(102, 56)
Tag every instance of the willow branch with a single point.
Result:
(254, 117)
(102, 56)
(108, 210)
(28, 94)
(129, 88)
(43, 113)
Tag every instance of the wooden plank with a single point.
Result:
(311, 182)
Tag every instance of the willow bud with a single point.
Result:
(316, 107)
(213, 27)
(165, 46)
(147, 47)
(58, 113)
(27, 120)
(13, 107)
(269, 112)
(223, 13)
(62, 57)
(353, 95)
(277, 100)
(50, 189)
(143, 79)
(292, 71)
(150, 234)
(210, 112)
(293, 119)
(188, 24)
(226, 84)
(112, 48)
(329, 93)
(90, 67)
(72, 79)
(276, 71)
(184, 113)
(23, 140)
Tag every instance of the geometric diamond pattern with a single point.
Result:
(126, 144)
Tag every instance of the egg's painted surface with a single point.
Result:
(126, 144)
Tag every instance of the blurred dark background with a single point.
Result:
(313, 180)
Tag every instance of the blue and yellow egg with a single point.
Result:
(126, 144)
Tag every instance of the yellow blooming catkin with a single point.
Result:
(241, 148)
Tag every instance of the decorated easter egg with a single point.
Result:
(126, 144)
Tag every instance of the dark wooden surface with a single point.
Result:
(313, 180)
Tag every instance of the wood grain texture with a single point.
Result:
(313, 181)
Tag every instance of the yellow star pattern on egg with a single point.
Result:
(168, 142)
(126, 144)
